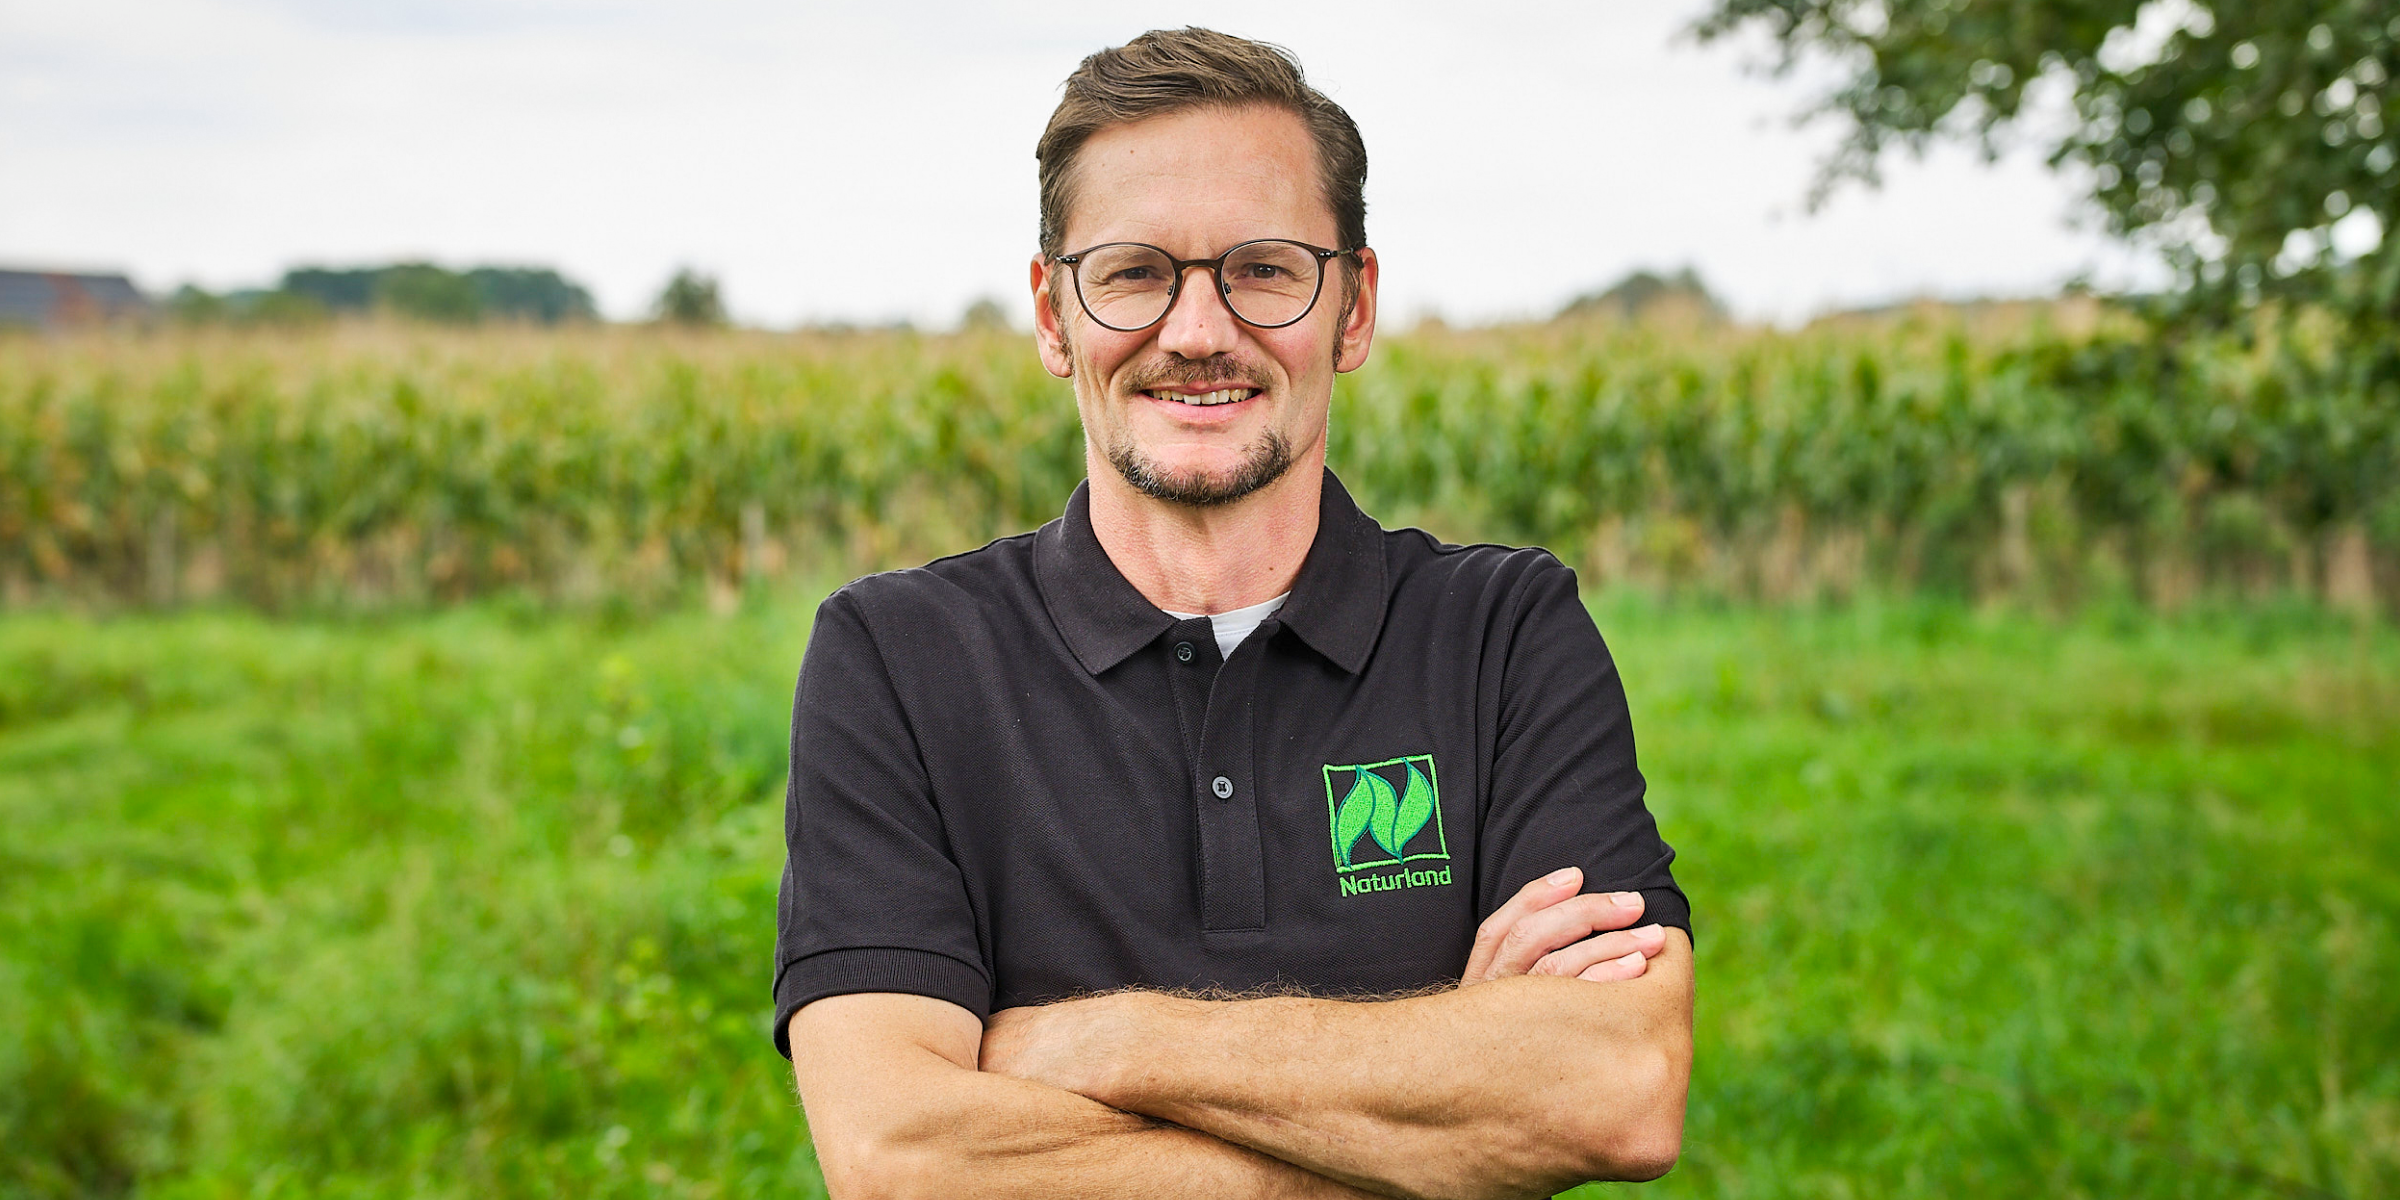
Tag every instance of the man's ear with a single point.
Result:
(1357, 334)
(1049, 330)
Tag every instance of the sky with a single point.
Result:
(874, 162)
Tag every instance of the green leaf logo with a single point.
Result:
(1383, 817)
(1383, 820)
(1351, 819)
(1414, 808)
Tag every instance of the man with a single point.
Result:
(1211, 840)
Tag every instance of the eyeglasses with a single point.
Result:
(1268, 283)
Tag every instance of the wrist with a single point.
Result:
(1132, 1041)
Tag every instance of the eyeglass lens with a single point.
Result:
(1127, 286)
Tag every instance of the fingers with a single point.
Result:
(1539, 894)
(1547, 916)
(1629, 967)
(1605, 949)
(1561, 925)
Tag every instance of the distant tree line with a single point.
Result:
(415, 290)
(420, 291)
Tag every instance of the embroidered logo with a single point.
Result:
(1386, 814)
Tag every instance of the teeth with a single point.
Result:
(1208, 399)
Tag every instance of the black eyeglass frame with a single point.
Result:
(1216, 270)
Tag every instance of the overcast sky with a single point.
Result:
(874, 161)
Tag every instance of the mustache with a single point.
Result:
(1216, 368)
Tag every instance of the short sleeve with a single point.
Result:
(1565, 788)
(872, 900)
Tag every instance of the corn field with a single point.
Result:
(366, 466)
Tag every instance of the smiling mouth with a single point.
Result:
(1204, 399)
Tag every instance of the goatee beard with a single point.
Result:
(1266, 462)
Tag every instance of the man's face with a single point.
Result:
(1195, 184)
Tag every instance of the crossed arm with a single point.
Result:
(1562, 1058)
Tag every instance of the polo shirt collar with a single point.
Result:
(1103, 617)
(1338, 600)
(1336, 605)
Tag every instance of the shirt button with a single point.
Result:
(1222, 786)
(1183, 652)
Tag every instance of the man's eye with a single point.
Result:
(1261, 271)
(1132, 275)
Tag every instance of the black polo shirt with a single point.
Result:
(1014, 779)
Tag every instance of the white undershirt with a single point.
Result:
(1233, 626)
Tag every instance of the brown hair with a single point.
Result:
(1171, 70)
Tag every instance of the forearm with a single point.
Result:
(975, 1134)
(902, 1121)
(1516, 1087)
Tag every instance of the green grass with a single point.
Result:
(478, 905)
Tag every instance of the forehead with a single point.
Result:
(1200, 180)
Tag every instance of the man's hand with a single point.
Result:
(1513, 1088)
(1547, 929)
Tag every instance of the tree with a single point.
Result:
(435, 293)
(195, 305)
(986, 314)
(2249, 143)
(1644, 293)
(280, 308)
(350, 289)
(429, 293)
(532, 294)
(691, 298)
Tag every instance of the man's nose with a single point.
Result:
(1198, 323)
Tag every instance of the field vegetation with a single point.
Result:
(392, 723)
(471, 904)
(2051, 456)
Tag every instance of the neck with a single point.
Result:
(1209, 560)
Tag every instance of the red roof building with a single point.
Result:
(65, 300)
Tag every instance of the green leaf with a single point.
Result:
(1416, 808)
(1381, 821)
(1350, 819)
